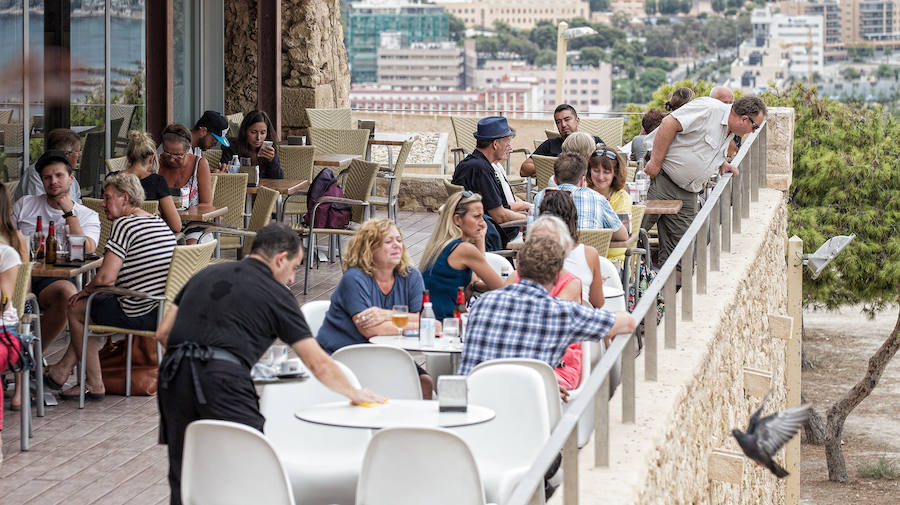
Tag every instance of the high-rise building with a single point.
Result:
(516, 13)
(421, 65)
(588, 89)
(800, 38)
(367, 20)
(517, 100)
(852, 23)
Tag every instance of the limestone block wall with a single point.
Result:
(780, 147)
(240, 55)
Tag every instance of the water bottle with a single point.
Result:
(643, 182)
(427, 326)
(235, 166)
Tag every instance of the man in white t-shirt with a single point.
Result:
(56, 206)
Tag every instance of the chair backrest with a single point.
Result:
(451, 188)
(187, 260)
(23, 283)
(598, 239)
(91, 162)
(96, 205)
(543, 169)
(231, 192)
(400, 166)
(521, 424)
(213, 157)
(234, 123)
(6, 115)
(551, 133)
(314, 313)
(329, 118)
(339, 141)
(123, 114)
(498, 263)
(151, 206)
(216, 470)
(609, 129)
(463, 129)
(116, 164)
(263, 207)
(13, 135)
(548, 378)
(386, 370)
(358, 186)
(408, 456)
(637, 215)
(297, 161)
(537, 143)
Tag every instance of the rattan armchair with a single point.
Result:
(213, 157)
(330, 118)
(234, 123)
(231, 192)
(297, 163)
(32, 342)
(116, 164)
(96, 205)
(339, 141)
(6, 115)
(186, 261)
(598, 239)
(394, 177)
(543, 170)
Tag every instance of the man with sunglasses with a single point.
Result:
(567, 122)
(59, 139)
(689, 147)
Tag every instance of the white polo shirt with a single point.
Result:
(699, 149)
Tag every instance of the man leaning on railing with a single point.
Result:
(688, 148)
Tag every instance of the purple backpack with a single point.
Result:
(328, 215)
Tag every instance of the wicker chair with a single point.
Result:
(213, 157)
(263, 207)
(551, 133)
(234, 123)
(394, 177)
(543, 170)
(451, 188)
(607, 128)
(357, 193)
(32, 342)
(119, 136)
(537, 143)
(330, 118)
(95, 204)
(463, 128)
(598, 239)
(297, 163)
(186, 261)
(116, 164)
(339, 141)
(6, 115)
(638, 248)
(13, 137)
(231, 192)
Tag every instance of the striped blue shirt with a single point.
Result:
(594, 210)
(145, 244)
(523, 321)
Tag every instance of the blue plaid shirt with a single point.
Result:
(523, 321)
(594, 210)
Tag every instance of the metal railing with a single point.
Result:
(728, 203)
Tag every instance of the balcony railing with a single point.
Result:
(728, 204)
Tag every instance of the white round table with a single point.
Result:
(412, 344)
(394, 413)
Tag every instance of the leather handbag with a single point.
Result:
(144, 366)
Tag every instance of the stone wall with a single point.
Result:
(313, 60)
(700, 397)
(240, 53)
(780, 147)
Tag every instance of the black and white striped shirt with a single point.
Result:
(145, 244)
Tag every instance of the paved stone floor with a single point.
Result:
(107, 453)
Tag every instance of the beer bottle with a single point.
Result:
(39, 239)
(51, 245)
(460, 307)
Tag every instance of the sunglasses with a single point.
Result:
(752, 122)
(604, 152)
(174, 156)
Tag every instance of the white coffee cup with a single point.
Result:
(293, 365)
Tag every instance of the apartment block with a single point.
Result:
(800, 37)
(587, 89)
(512, 99)
(421, 65)
(852, 23)
(634, 8)
(516, 13)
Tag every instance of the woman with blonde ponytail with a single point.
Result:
(143, 163)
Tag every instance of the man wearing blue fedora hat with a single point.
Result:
(481, 173)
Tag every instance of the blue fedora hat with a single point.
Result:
(493, 127)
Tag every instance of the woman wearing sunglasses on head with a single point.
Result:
(185, 173)
(607, 174)
(456, 250)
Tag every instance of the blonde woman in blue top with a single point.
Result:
(456, 250)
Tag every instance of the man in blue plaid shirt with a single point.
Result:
(523, 321)
(594, 210)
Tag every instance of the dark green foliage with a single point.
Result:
(850, 73)
(457, 29)
(591, 56)
(650, 7)
(846, 179)
(544, 35)
(545, 57)
(599, 5)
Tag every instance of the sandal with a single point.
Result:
(50, 383)
(88, 395)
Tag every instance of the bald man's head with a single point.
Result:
(722, 94)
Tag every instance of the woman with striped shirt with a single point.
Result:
(137, 257)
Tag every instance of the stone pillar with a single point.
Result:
(779, 147)
(240, 55)
(314, 60)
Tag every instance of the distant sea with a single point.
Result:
(87, 34)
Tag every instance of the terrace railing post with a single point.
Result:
(745, 186)
(760, 144)
(628, 381)
(736, 197)
(725, 212)
(651, 345)
(702, 248)
(687, 284)
(715, 237)
(601, 425)
(753, 165)
(570, 469)
(671, 310)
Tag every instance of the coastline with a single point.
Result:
(78, 13)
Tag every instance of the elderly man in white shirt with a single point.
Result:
(688, 148)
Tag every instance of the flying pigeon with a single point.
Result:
(765, 436)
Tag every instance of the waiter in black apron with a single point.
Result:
(230, 314)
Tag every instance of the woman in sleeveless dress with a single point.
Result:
(183, 170)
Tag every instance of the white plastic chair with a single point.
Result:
(500, 264)
(548, 376)
(613, 280)
(322, 462)
(217, 467)
(386, 370)
(314, 313)
(399, 469)
(506, 447)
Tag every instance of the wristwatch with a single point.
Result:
(69, 214)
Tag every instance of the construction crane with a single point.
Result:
(808, 45)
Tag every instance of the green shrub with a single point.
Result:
(885, 468)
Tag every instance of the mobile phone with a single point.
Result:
(267, 143)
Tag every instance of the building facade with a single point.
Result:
(633, 8)
(588, 89)
(801, 37)
(421, 65)
(368, 20)
(510, 99)
(522, 14)
(852, 23)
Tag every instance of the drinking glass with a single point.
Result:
(29, 239)
(35, 247)
(400, 318)
(62, 241)
(451, 331)
(245, 162)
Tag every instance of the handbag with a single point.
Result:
(144, 366)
